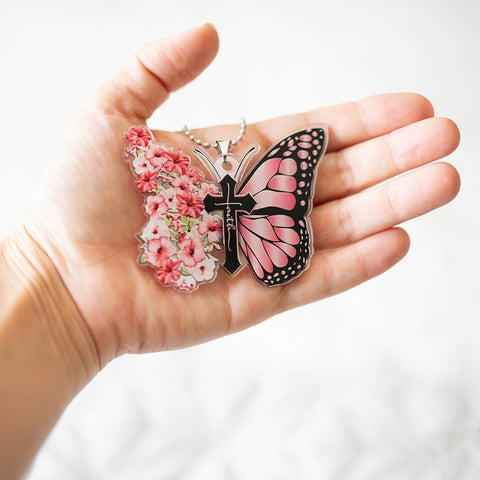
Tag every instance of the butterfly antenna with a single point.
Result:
(251, 150)
(207, 162)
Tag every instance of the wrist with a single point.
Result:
(47, 354)
(33, 294)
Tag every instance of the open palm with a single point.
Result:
(87, 211)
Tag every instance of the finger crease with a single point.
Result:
(163, 85)
(345, 172)
(346, 221)
(134, 100)
(328, 275)
(391, 203)
(364, 273)
(393, 158)
(363, 118)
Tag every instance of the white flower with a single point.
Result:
(140, 163)
(186, 283)
(155, 228)
(203, 271)
(171, 199)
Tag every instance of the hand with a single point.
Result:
(87, 211)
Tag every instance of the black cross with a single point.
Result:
(229, 204)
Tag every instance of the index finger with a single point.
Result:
(352, 122)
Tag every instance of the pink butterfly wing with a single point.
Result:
(275, 237)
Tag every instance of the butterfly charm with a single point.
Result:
(263, 222)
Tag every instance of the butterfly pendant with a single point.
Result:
(194, 225)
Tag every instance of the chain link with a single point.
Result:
(198, 141)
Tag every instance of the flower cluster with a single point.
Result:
(179, 236)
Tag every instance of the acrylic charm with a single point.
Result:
(192, 223)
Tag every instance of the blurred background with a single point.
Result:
(381, 382)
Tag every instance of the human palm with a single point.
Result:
(87, 211)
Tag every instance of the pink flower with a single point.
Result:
(189, 204)
(207, 188)
(176, 223)
(140, 136)
(176, 162)
(186, 283)
(146, 181)
(203, 271)
(168, 271)
(156, 205)
(130, 150)
(210, 225)
(182, 184)
(194, 175)
(156, 155)
(171, 199)
(158, 250)
(191, 251)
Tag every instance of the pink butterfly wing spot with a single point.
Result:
(278, 257)
(290, 250)
(284, 183)
(261, 226)
(263, 174)
(288, 235)
(257, 268)
(267, 198)
(273, 152)
(281, 220)
(288, 166)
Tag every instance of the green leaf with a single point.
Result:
(143, 257)
(184, 270)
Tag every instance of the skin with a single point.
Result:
(69, 281)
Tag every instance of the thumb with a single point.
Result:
(156, 69)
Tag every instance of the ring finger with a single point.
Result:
(355, 168)
(344, 221)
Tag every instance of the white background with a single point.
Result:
(379, 382)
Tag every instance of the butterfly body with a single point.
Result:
(231, 205)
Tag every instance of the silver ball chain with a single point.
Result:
(198, 141)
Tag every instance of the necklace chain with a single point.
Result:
(198, 141)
